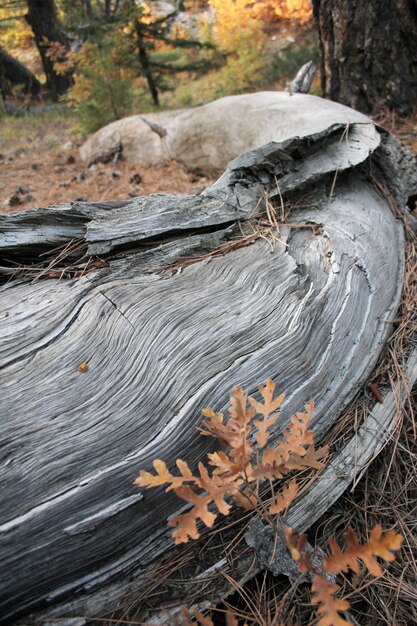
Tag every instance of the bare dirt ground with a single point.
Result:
(40, 165)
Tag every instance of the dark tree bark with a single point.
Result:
(44, 23)
(145, 64)
(369, 53)
(89, 9)
(14, 72)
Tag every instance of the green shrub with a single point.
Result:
(103, 88)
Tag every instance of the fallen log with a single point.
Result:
(121, 320)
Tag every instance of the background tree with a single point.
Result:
(164, 51)
(52, 43)
(13, 72)
(369, 53)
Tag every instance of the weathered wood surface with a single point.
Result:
(75, 533)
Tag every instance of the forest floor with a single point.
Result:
(40, 165)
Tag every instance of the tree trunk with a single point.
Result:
(145, 64)
(89, 10)
(14, 72)
(369, 53)
(43, 20)
(107, 9)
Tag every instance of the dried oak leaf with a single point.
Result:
(164, 476)
(312, 458)
(224, 466)
(202, 620)
(269, 406)
(186, 523)
(284, 498)
(329, 606)
(235, 432)
(378, 545)
(214, 426)
(295, 542)
(295, 442)
(247, 498)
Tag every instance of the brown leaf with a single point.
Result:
(246, 498)
(215, 426)
(284, 498)
(164, 476)
(217, 489)
(235, 432)
(295, 542)
(312, 458)
(269, 406)
(231, 619)
(329, 606)
(294, 445)
(223, 465)
(188, 620)
(187, 522)
(377, 546)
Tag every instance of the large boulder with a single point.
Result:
(206, 138)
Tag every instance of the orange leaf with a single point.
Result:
(284, 498)
(223, 465)
(294, 541)
(163, 476)
(215, 426)
(235, 432)
(202, 619)
(231, 619)
(239, 424)
(188, 620)
(216, 489)
(311, 458)
(246, 498)
(185, 470)
(269, 406)
(295, 445)
(297, 435)
(377, 546)
(329, 606)
(187, 522)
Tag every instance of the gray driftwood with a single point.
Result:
(76, 535)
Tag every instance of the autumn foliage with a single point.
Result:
(341, 560)
(245, 463)
(233, 475)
